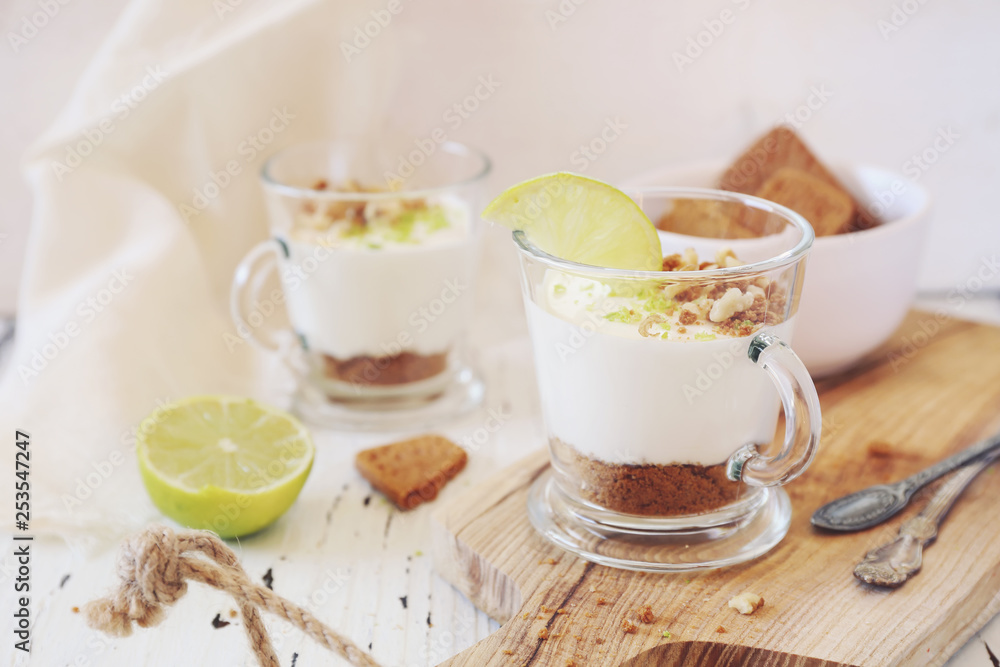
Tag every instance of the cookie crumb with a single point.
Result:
(628, 627)
(232, 613)
(599, 641)
(746, 602)
(547, 561)
(507, 651)
(720, 630)
(75, 610)
(525, 616)
(543, 633)
(545, 610)
(645, 613)
(601, 601)
(560, 611)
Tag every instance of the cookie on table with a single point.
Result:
(411, 472)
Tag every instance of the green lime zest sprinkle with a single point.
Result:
(355, 230)
(703, 335)
(418, 553)
(656, 303)
(667, 634)
(432, 219)
(664, 335)
(559, 289)
(625, 315)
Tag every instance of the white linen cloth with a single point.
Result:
(138, 227)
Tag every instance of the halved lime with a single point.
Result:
(223, 463)
(580, 219)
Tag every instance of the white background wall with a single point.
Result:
(562, 76)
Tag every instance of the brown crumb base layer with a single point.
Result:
(654, 490)
(389, 370)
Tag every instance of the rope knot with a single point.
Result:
(154, 567)
(152, 577)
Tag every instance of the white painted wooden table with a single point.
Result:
(342, 551)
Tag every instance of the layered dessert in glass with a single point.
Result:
(391, 302)
(662, 362)
(377, 274)
(645, 386)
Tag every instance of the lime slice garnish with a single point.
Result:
(580, 219)
(223, 463)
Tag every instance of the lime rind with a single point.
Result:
(580, 219)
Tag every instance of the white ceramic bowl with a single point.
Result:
(859, 286)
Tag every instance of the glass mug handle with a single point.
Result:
(247, 281)
(802, 418)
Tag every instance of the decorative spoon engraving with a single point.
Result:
(870, 507)
(893, 563)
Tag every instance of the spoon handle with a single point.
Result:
(911, 484)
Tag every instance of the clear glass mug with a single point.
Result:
(661, 390)
(377, 275)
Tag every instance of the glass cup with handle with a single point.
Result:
(376, 272)
(661, 390)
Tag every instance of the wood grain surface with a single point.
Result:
(932, 390)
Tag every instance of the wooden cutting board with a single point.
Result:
(934, 389)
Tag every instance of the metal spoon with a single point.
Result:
(891, 564)
(870, 507)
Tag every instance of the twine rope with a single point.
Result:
(154, 567)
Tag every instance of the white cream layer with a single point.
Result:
(619, 397)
